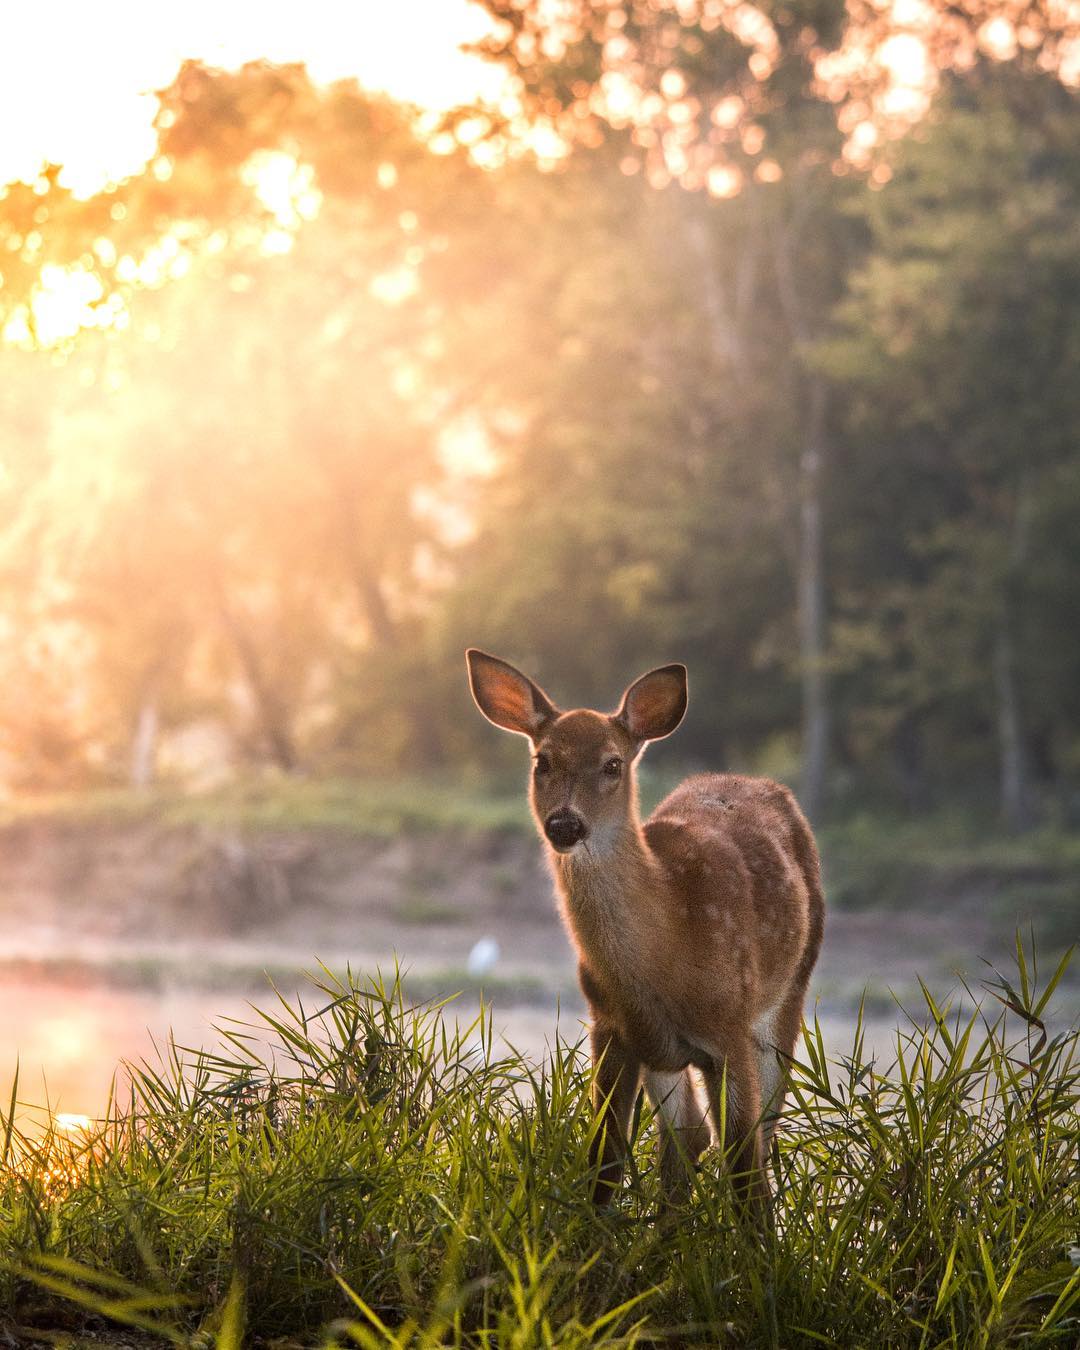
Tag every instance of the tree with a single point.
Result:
(725, 100)
(241, 515)
(960, 354)
(777, 105)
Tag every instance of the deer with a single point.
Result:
(696, 931)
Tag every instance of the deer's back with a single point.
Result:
(743, 869)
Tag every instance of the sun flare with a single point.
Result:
(71, 1122)
(80, 89)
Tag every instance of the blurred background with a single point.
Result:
(335, 339)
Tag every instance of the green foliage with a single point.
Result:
(363, 1172)
(956, 347)
(242, 510)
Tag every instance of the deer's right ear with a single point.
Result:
(506, 697)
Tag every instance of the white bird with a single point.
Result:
(483, 956)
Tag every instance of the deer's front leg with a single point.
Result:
(616, 1075)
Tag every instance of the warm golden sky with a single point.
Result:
(79, 75)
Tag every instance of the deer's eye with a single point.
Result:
(612, 767)
(541, 765)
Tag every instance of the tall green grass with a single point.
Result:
(362, 1172)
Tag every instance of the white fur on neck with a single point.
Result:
(594, 889)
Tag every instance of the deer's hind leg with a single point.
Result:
(776, 1035)
(774, 1041)
(734, 1092)
(684, 1130)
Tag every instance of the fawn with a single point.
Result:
(696, 932)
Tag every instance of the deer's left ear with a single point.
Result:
(653, 706)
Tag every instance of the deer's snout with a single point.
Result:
(565, 828)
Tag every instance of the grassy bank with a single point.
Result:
(932, 863)
(368, 807)
(379, 1179)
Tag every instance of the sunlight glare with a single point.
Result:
(905, 58)
(466, 448)
(65, 300)
(997, 37)
(395, 286)
(72, 1122)
(285, 187)
(64, 1040)
(724, 180)
(78, 84)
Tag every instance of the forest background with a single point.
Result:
(742, 336)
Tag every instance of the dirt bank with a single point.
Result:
(203, 904)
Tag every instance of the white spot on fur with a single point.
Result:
(764, 1028)
(764, 1025)
(676, 1099)
(601, 841)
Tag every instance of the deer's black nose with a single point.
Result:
(565, 828)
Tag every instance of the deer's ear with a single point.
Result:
(653, 706)
(506, 697)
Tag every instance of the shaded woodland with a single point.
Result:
(711, 345)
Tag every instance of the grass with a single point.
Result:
(395, 805)
(382, 808)
(873, 861)
(380, 1178)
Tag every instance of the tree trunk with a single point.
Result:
(784, 234)
(811, 605)
(908, 762)
(272, 716)
(144, 743)
(383, 632)
(1013, 775)
(1015, 795)
(726, 329)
